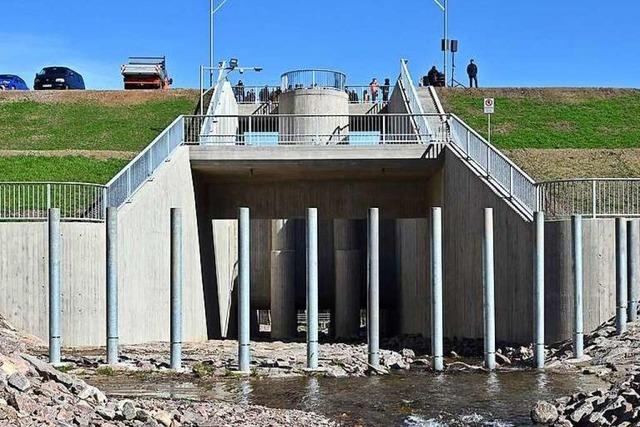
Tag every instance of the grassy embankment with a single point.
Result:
(81, 136)
(559, 133)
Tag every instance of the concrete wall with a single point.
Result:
(143, 268)
(144, 239)
(24, 299)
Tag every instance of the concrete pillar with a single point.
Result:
(578, 323)
(112, 285)
(373, 286)
(244, 290)
(177, 278)
(538, 344)
(348, 278)
(488, 303)
(54, 285)
(436, 290)
(633, 269)
(283, 279)
(312, 288)
(621, 275)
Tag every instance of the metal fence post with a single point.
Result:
(54, 285)
(112, 285)
(373, 280)
(201, 90)
(384, 130)
(48, 196)
(633, 268)
(593, 198)
(177, 277)
(538, 350)
(621, 275)
(578, 335)
(244, 283)
(312, 288)
(488, 303)
(436, 289)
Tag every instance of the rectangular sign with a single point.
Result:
(489, 106)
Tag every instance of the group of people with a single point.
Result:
(265, 94)
(373, 93)
(436, 78)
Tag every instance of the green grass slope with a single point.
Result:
(552, 118)
(82, 135)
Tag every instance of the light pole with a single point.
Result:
(212, 11)
(444, 5)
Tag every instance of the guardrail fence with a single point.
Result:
(311, 79)
(291, 129)
(31, 201)
(411, 95)
(597, 197)
(256, 94)
(514, 182)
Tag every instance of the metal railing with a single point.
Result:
(129, 179)
(256, 94)
(594, 197)
(514, 183)
(311, 79)
(413, 101)
(362, 94)
(31, 200)
(301, 129)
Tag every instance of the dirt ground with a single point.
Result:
(550, 164)
(100, 97)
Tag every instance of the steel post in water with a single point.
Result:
(244, 283)
(373, 281)
(538, 350)
(633, 269)
(54, 285)
(621, 275)
(436, 290)
(112, 285)
(488, 282)
(177, 277)
(578, 333)
(312, 288)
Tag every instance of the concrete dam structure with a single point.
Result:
(309, 143)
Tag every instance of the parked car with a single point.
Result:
(58, 78)
(11, 82)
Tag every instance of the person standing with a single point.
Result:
(472, 71)
(432, 76)
(385, 90)
(373, 88)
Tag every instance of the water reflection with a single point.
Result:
(413, 398)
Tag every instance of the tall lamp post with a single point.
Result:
(212, 11)
(444, 5)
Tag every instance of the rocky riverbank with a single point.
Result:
(615, 358)
(34, 393)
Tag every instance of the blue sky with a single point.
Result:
(514, 42)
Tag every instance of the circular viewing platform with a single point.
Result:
(313, 79)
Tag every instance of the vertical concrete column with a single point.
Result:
(488, 305)
(283, 279)
(633, 269)
(348, 278)
(578, 323)
(436, 289)
(112, 285)
(538, 345)
(373, 281)
(177, 277)
(621, 275)
(312, 288)
(244, 283)
(54, 285)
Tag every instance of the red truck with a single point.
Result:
(146, 73)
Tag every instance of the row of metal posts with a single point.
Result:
(627, 276)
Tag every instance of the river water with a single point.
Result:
(410, 399)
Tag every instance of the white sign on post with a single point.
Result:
(489, 106)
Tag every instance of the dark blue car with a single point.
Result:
(60, 78)
(11, 82)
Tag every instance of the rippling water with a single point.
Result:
(410, 399)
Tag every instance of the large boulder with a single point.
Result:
(544, 413)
